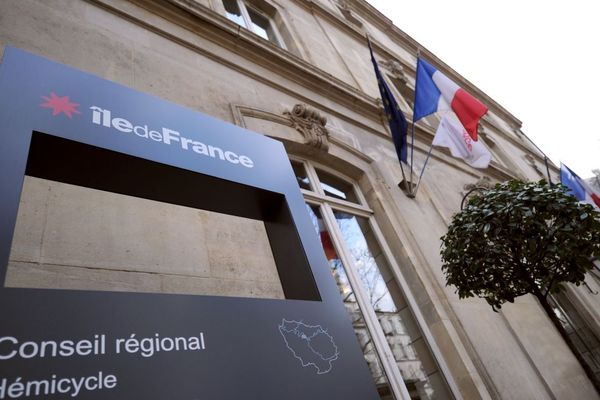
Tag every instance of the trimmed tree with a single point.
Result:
(522, 238)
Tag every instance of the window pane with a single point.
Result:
(410, 351)
(262, 26)
(233, 12)
(358, 322)
(364, 255)
(336, 187)
(301, 175)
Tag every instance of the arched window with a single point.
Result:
(398, 356)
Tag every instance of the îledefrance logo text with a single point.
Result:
(104, 117)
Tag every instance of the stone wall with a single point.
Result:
(71, 237)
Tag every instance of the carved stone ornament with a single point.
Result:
(343, 5)
(311, 124)
(395, 68)
(485, 182)
(531, 161)
(346, 10)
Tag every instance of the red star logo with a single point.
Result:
(60, 105)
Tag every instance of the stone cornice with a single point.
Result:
(274, 58)
(197, 18)
(204, 22)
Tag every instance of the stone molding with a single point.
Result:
(240, 112)
(295, 69)
(531, 162)
(346, 9)
(311, 124)
(395, 68)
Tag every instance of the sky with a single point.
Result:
(540, 60)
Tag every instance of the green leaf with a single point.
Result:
(516, 235)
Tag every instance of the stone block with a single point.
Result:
(97, 229)
(46, 276)
(124, 243)
(221, 287)
(31, 220)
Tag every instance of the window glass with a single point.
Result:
(337, 187)
(373, 280)
(233, 12)
(262, 26)
(360, 328)
(301, 175)
(410, 351)
(369, 288)
(244, 14)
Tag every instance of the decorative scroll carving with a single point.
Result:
(531, 161)
(343, 5)
(346, 9)
(395, 68)
(485, 182)
(311, 124)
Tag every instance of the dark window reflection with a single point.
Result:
(233, 12)
(365, 250)
(301, 175)
(360, 328)
(336, 187)
(262, 26)
(411, 353)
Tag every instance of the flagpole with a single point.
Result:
(403, 176)
(545, 157)
(396, 120)
(412, 150)
(424, 166)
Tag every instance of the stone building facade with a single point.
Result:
(298, 71)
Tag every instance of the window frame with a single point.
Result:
(327, 205)
(249, 24)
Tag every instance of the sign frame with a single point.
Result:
(60, 123)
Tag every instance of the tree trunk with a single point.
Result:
(550, 311)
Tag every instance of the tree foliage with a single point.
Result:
(519, 238)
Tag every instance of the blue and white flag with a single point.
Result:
(578, 187)
(395, 117)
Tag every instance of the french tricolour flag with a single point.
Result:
(436, 92)
(578, 187)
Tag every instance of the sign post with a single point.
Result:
(66, 125)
